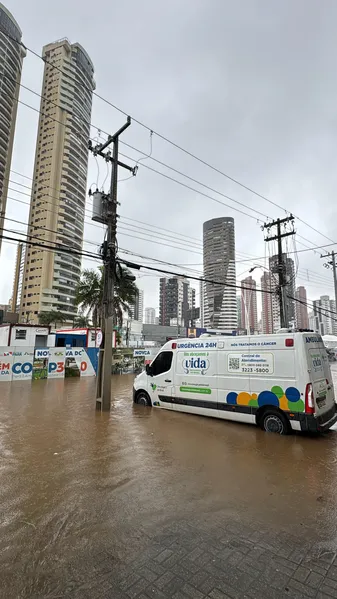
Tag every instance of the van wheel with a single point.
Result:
(143, 399)
(273, 421)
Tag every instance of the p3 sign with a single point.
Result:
(56, 364)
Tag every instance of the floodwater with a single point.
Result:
(75, 483)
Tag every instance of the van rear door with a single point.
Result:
(320, 375)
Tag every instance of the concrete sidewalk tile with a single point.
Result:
(301, 574)
(282, 562)
(174, 585)
(148, 574)
(216, 594)
(182, 572)
(260, 590)
(128, 581)
(332, 572)
(298, 555)
(331, 583)
(154, 593)
(327, 590)
(314, 580)
(154, 567)
(202, 581)
(302, 588)
(164, 579)
(247, 567)
(179, 595)
(192, 592)
(163, 555)
(137, 588)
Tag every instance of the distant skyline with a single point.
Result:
(259, 122)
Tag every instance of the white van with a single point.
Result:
(280, 382)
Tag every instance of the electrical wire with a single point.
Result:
(154, 170)
(161, 136)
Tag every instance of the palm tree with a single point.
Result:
(81, 321)
(52, 317)
(89, 294)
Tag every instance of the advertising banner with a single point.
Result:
(141, 353)
(40, 364)
(6, 363)
(18, 363)
(56, 364)
(89, 361)
(22, 367)
(73, 361)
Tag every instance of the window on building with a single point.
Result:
(21, 334)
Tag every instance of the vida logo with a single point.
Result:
(196, 364)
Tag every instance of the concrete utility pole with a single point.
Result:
(332, 263)
(281, 266)
(109, 217)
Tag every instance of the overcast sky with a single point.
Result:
(250, 86)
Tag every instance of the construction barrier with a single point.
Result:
(20, 363)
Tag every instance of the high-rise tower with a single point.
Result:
(60, 177)
(11, 58)
(220, 308)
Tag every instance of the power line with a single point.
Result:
(152, 131)
(251, 260)
(158, 172)
(56, 245)
(50, 247)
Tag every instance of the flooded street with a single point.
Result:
(150, 503)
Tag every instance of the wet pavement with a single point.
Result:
(143, 503)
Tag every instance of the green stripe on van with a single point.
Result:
(204, 390)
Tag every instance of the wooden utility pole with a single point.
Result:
(282, 280)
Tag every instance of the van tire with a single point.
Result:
(273, 421)
(142, 399)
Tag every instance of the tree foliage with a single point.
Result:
(89, 295)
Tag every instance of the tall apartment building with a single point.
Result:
(18, 277)
(60, 175)
(137, 308)
(324, 318)
(11, 58)
(150, 316)
(267, 303)
(248, 305)
(202, 305)
(239, 311)
(220, 309)
(176, 299)
(301, 310)
(289, 289)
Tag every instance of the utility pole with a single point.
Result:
(105, 211)
(282, 279)
(332, 263)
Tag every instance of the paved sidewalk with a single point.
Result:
(215, 560)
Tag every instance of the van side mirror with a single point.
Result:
(148, 370)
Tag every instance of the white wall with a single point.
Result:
(4, 332)
(30, 336)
